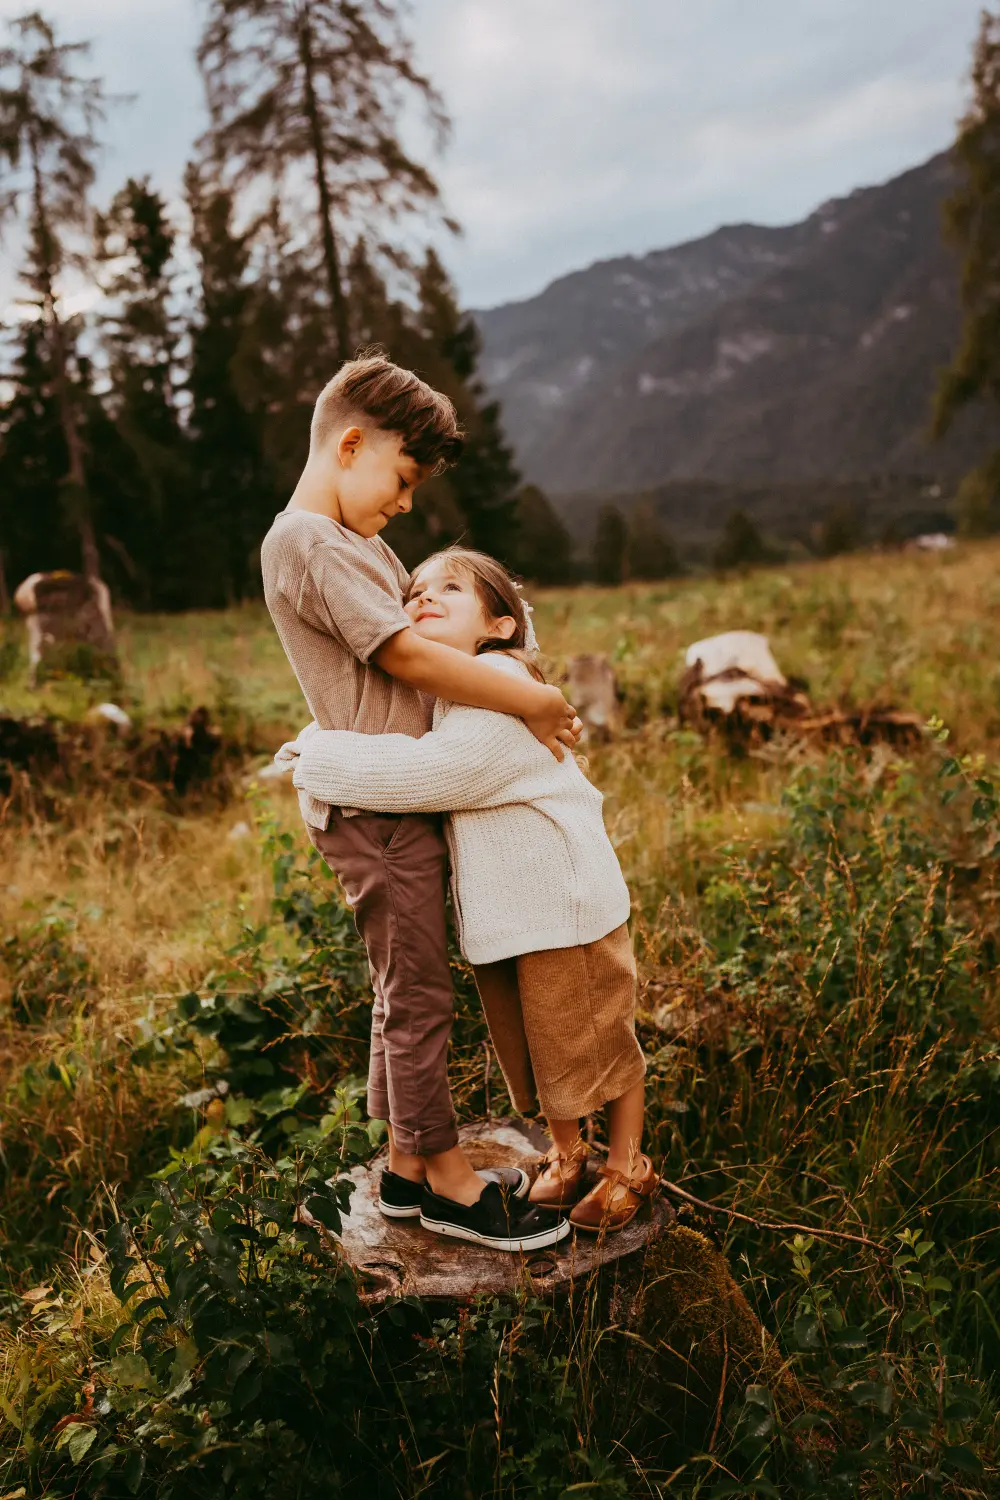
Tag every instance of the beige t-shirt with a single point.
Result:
(334, 598)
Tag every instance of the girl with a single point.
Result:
(540, 903)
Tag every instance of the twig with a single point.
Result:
(731, 1213)
(487, 1070)
(722, 1390)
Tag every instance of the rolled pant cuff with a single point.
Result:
(428, 1142)
(377, 1106)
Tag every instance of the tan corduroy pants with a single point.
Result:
(563, 1025)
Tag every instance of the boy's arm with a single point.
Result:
(471, 760)
(451, 674)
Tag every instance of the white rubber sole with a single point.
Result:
(537, 1241)
(388, 1212)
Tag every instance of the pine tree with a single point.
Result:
(476, 502)
(229, 387)
(972, 217)
(651, 553)
(484, 483)
(610, 546)
(156, 526)
(841, 531)
(48, 116)
(35, 531)
(544, 551)
(316, 88)
(741, 544)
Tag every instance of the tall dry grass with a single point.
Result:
(769, 1091)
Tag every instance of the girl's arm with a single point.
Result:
(472, 760)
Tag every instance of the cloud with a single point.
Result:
(589, 128)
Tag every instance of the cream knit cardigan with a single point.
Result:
(531, 864)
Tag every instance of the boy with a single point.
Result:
(335, 593)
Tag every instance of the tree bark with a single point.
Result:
(76, 477)
(331, 259)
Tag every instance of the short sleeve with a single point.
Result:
(350, 595)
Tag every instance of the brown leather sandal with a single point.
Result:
(560, 1181)
(616, 1198)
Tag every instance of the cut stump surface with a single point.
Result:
(396, 1257)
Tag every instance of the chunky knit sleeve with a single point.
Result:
(473, 759)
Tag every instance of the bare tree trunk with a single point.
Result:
(76, 478)
(331, 259)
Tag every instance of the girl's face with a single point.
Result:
(444, 607)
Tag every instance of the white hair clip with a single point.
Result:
(530, 638)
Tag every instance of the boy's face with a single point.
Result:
(375, 479)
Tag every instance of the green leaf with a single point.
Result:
(239, 1110)
(130, 1370)
(280, 1348)
(752, 1487)
(849, 1338)
(135, 1468)
(872, 1393)
(962, 1458)
(806, 1331)
(325, 1211)
(81, 1440)
(246, 1389)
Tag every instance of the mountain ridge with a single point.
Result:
(751, 355)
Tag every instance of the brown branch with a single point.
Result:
(732, 1213)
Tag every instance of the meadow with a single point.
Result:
(816, 930)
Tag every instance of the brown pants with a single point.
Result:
(394, 871)
(563, 1025)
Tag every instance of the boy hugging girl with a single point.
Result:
(427, 701)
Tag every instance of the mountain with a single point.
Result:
(752, 356)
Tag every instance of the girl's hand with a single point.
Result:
(555, 723)
(285, 759)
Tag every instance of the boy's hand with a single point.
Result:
(555, 724)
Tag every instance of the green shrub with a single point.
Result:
(45, 967)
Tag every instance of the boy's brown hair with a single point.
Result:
(371, 389)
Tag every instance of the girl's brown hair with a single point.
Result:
(498, 594)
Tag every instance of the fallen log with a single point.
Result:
(43, 759)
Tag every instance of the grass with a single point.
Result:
(822, 928)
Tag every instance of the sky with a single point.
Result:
(584, 129)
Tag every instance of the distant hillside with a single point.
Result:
(753, 356)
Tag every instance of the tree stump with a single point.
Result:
(70, 630)
(593, 692)
(395, 1257)
(677, 1322)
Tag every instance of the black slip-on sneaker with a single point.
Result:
(399, 1198)
(494, 1221)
